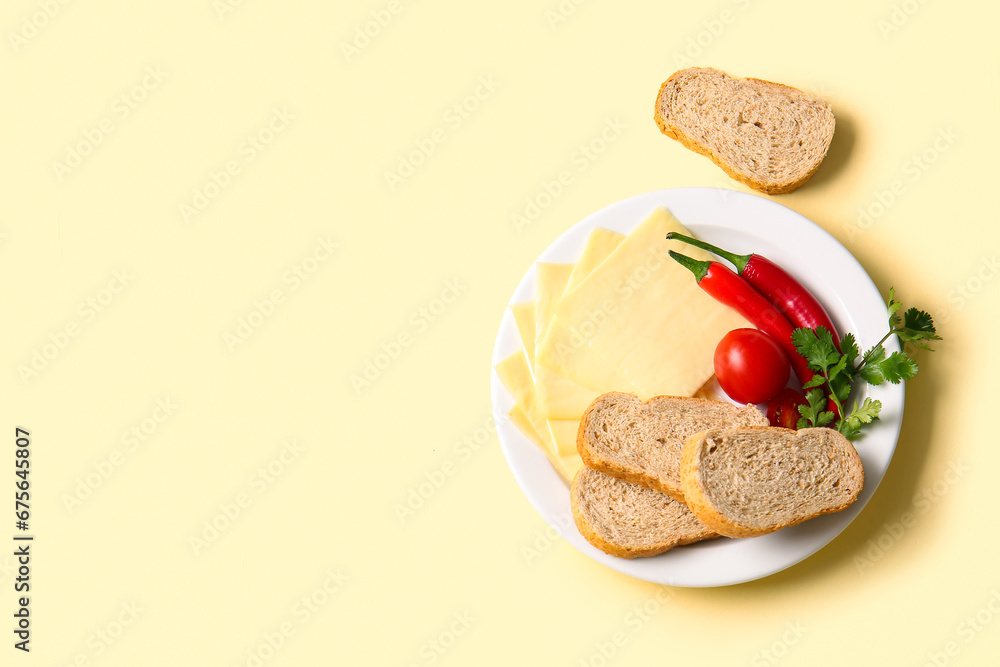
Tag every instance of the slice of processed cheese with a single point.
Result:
(568, 466)
(519, 418)
(565, 351)
(524, 318)
(550, 283)
(569, 362)
(556, 396)
(516, 378)
(564, 435)
(600, 243)
(559, 397)
(643, 315)
(565, 357)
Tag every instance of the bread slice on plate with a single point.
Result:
(642, 442)
(630, 521)
(754, 481)
(767, 135)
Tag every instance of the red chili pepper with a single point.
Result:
(795, 301)
(730, 289)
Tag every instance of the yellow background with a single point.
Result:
(134, 302)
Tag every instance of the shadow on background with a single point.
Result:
(839, 153)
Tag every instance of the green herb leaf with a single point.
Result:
(815, 413)
(842, 385)
(836, 370)
(865, 414)
(839, 381)
(918, 326)
(875, 355)
(870, 371)
(868, 412)
(898, 366)
(849, 431)
(918, 321)
(838, 367)
(849, 348)
(893, 307)
(816, 381)
(816, 345)
(872, 374)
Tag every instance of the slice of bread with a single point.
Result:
(630, 521)
(770, 136)
(754, 481)
(642, 442)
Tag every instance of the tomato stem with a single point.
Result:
(739, 261)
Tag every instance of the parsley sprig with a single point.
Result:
(838, 370)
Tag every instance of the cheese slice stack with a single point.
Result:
(625, 317)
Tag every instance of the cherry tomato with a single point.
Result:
(783, 409)
(751, 366)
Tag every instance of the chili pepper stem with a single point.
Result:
(739, 261)
(699, 269)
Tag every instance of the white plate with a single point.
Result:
(741, 223)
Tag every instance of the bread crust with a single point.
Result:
(596, 460)
(699, 500)
(672, 131)
(591, 534)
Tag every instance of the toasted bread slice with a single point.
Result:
(642, 442)
(754, 481)
(770, 136)
(630, 521)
